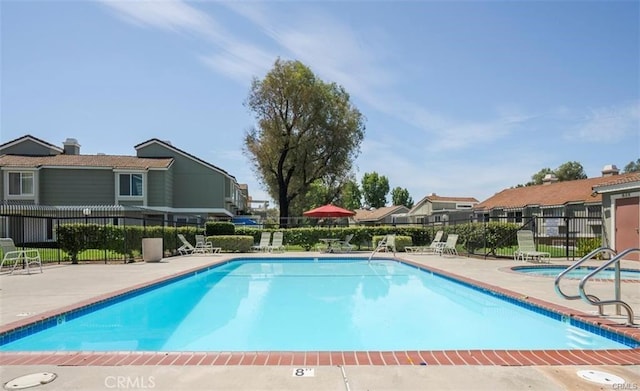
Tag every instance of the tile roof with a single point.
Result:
(106, 161)
(378, 213)
(554, 194)
(434, 197)
(621, 179)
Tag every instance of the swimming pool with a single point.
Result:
(323, 305)
(578, 273)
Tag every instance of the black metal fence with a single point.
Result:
(32, 226)
(568, 237)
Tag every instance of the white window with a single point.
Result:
(21, 183)
(131, 185)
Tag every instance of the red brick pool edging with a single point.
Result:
(446, 357)
(441, 357)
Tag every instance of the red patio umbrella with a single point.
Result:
(328, 211)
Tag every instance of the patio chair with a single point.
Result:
(527, 249)
(276, 243)
(265, 241)
(345, 245)
(186, 248)
(203, 246)
(449, 246)
(11, 254)
(432, 248)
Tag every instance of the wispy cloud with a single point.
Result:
(607, 124)
(335, 51)
(234, 58)
(170, 15)
(359, 62)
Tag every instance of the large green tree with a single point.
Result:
(536, 179)
(351, 196)
(306, 130)
(400, 196)
(375, 189)
(632, 166)
(568, 171)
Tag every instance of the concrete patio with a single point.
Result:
(24, 297)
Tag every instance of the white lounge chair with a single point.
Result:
(436, 243)
(276, 243)
(11, 254)
(449, 246)
(265, 241)
(186, 248)
(203, 246)
(527, 249)
(345, 245)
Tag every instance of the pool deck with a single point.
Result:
(27, 298)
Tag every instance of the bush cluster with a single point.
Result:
(74, 238)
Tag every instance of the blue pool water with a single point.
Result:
(553, 271)
(295, 304)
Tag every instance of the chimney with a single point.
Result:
(610, 170)
(71, 146)
(549, 179)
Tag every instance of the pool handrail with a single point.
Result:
(574, 266)
(618, 301)
(386, 242)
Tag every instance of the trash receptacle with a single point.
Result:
(152, 249)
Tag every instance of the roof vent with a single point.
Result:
(549, 178)
(71, 146)
(610, 170)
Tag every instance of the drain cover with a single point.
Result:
(600, 377)
(32, 380)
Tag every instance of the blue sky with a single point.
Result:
(462, 98)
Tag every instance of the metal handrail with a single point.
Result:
(574, 266)
(384, 242)
(617, 300)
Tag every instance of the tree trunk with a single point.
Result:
(284, 209)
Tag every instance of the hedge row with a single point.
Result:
(74, 238)
(471, 235)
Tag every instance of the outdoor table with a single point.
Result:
(330, 242)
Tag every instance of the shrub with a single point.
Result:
(71, 238)
(232, 243)
(219, 228)
(586, 245)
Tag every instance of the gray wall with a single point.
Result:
(194, 184)
(160, 188)
(76, 187)
(607, 225)
(28, 147)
